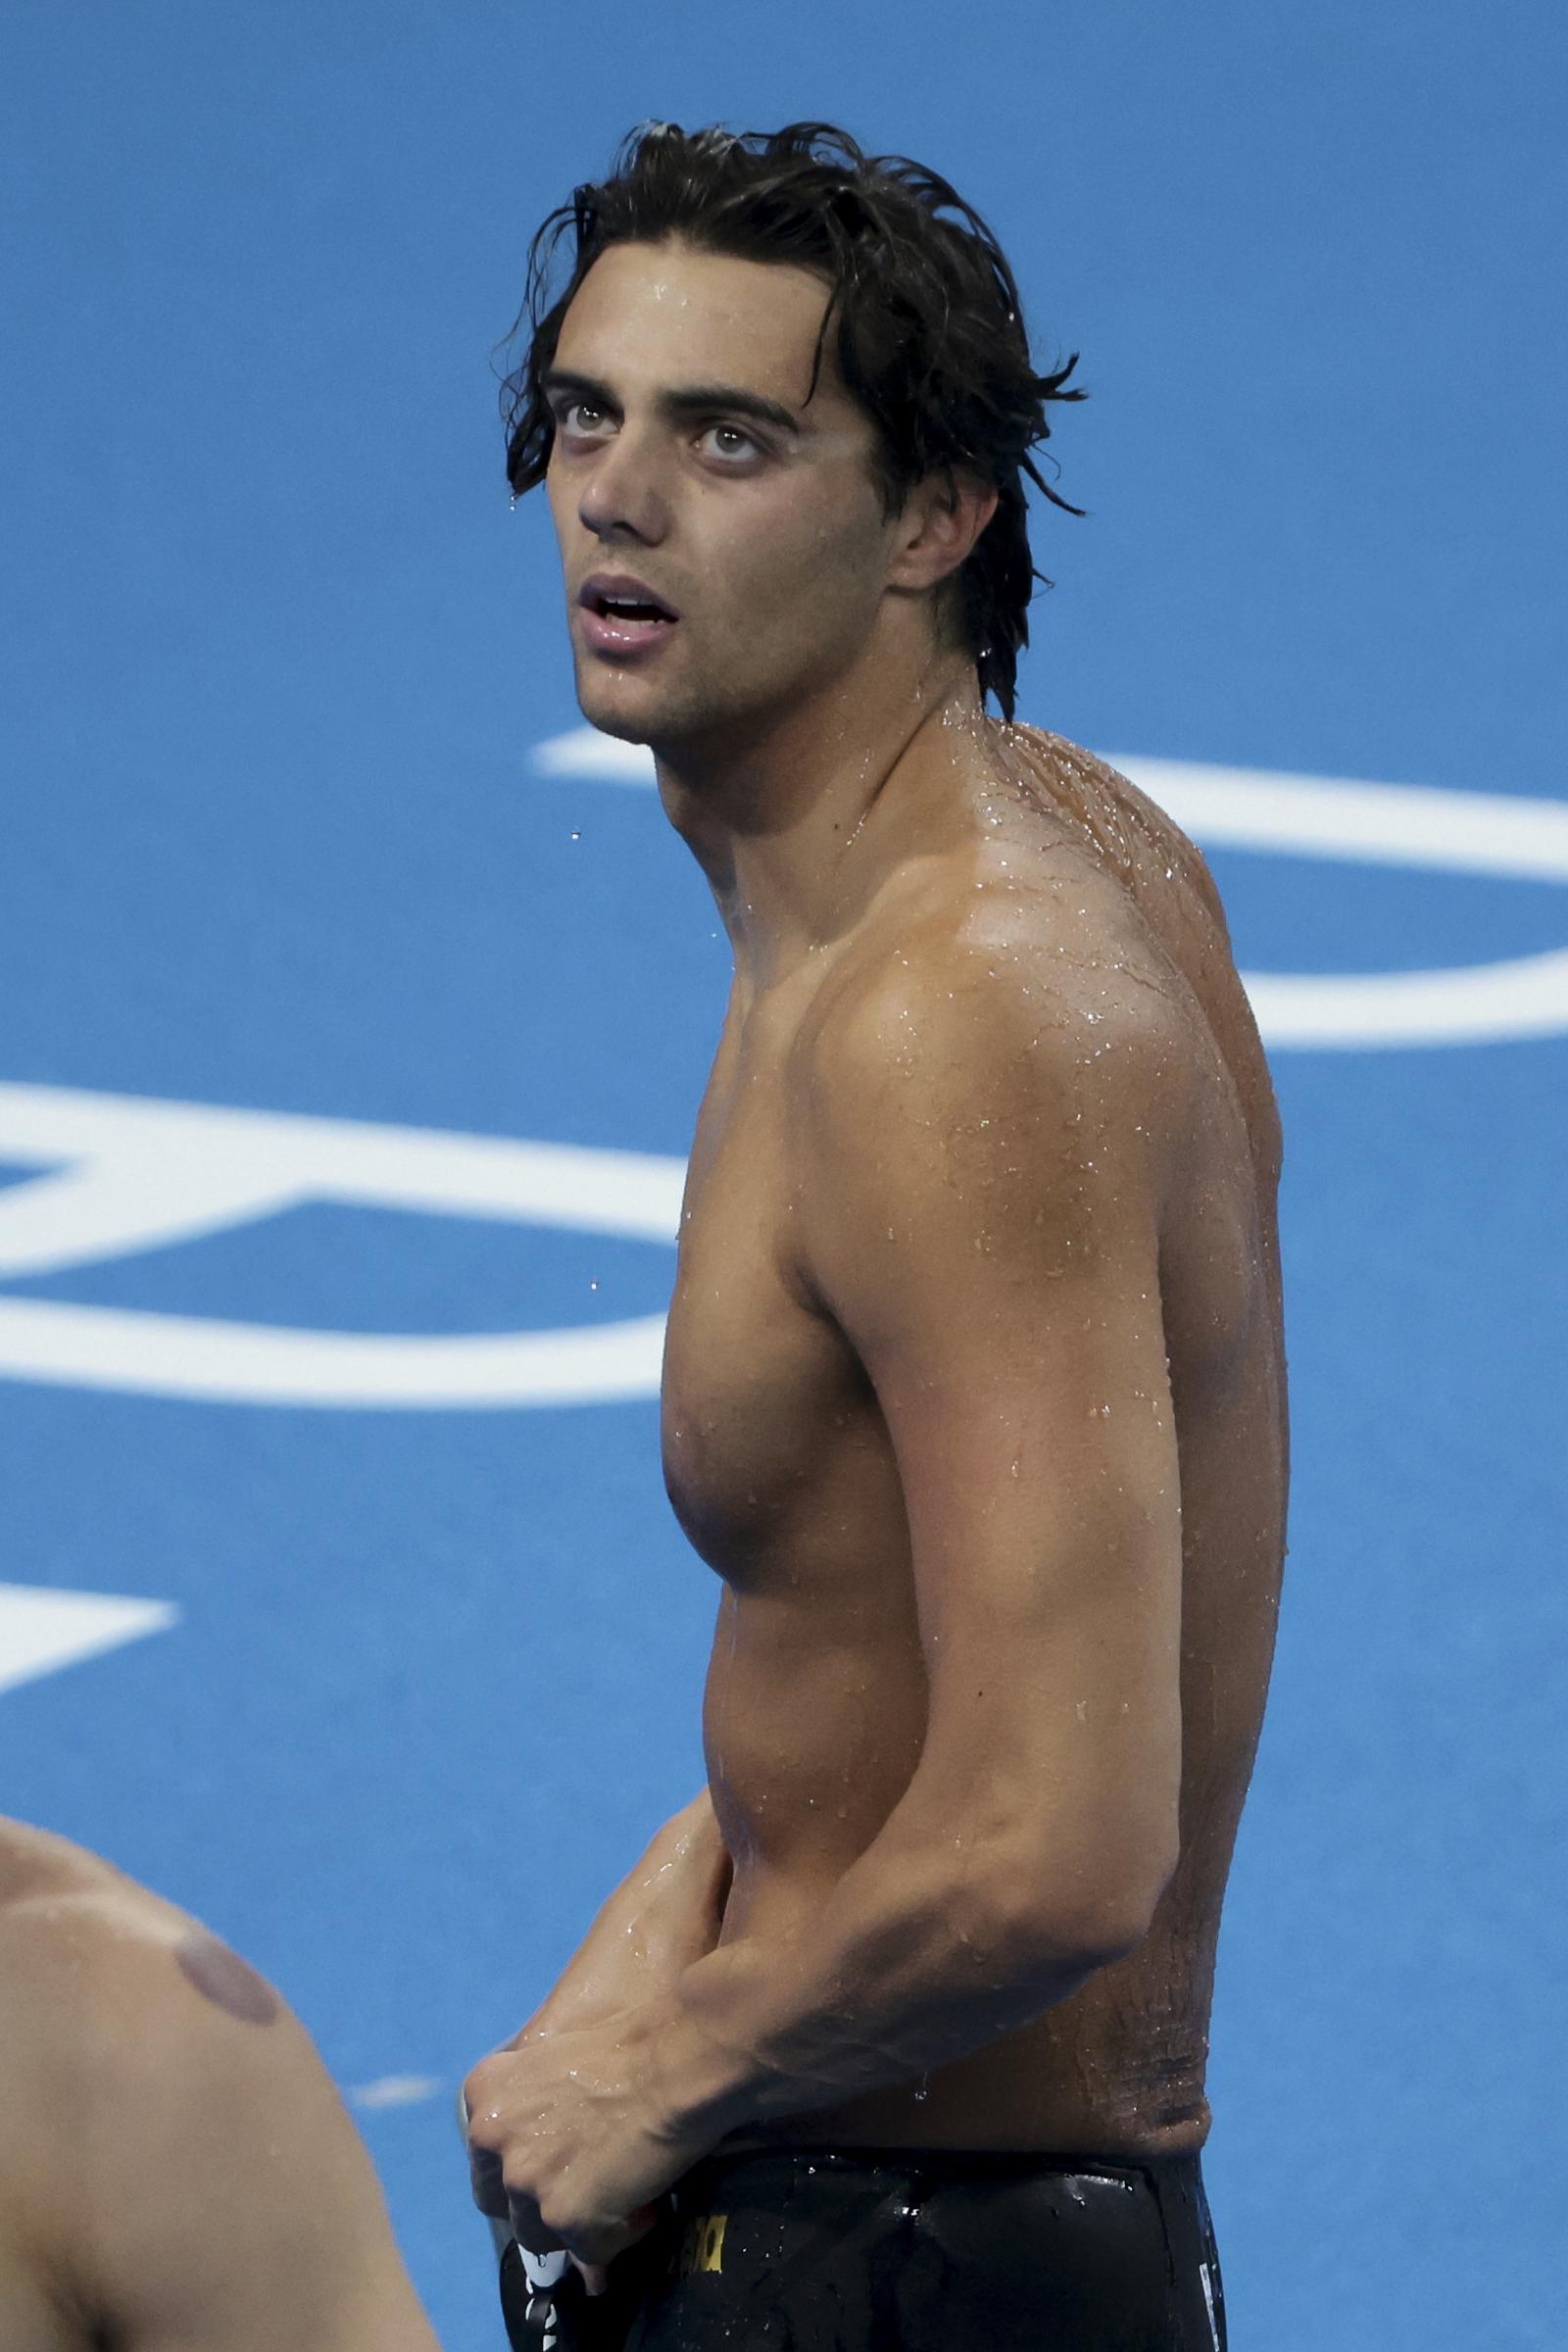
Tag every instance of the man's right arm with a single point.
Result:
(666, 1914)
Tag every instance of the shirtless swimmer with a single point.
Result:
(974, 1386)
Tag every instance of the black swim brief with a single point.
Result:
(911, 2250)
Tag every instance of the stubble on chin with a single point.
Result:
(647, 712)
(605, 707)
(627, 726)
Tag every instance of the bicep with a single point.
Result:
(992, 1255)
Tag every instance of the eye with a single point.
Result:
(731, 443)
(582, 418)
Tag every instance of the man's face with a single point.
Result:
(689, 467)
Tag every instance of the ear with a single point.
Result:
(937, 528)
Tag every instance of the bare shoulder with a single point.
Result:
(168, 2135)
(86, 1952)
(1022, 981)
(1169, 896)
(33, 1861)
(103, 1985)
(1137, 838)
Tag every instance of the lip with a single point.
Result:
(620, 634)
(604, 635)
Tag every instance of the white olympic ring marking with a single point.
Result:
(146, 1173)
(126, 1173)
(1320, 817)
(42, 1629)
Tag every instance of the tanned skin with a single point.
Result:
(177, 2170)
(974, 1386)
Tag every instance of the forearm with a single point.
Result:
(664, 1916)
(923, 1954)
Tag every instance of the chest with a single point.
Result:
(757, 1382)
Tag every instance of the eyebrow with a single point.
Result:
(683, 400)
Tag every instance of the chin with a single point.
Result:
(632, 718)
(635, 710)
(624, 725)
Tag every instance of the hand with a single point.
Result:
(572, 2138)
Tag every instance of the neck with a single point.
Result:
(797, 825)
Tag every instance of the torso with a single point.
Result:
(779, 1467)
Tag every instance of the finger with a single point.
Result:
(528, 2227)
(595, 2276)
(594, 2250)
(591, 2247)
(594, 2246)
(488, 2188)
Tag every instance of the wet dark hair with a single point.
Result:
(930, 332)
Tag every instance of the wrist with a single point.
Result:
(702, 2088)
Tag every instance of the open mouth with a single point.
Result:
(626, 607)
(621, 617)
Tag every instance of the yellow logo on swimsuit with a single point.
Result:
(703, 2247)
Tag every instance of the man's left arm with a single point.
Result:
(982, 1178)
(988, 1175)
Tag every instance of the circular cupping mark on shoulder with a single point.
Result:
(221, 1977)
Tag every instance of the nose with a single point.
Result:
(621, 498)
